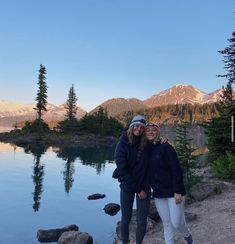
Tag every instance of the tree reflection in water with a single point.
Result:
(69, 155)
(38, 172)
(95, 157)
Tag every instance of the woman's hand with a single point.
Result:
(163, 140)
(178, 198)
(142, 195)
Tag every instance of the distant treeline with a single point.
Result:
(170, 114)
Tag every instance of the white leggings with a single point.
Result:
(172, 216)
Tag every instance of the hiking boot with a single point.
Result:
(189, 239)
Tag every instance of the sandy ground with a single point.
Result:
(214, 224)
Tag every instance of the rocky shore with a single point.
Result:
(210, 219)
(210, 215)
(58, 140)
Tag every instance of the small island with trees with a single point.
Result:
(93, 129)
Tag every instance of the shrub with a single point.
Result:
(69, 126)
(37, 126)
(224, 166)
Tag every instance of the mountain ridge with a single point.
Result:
(11, 112)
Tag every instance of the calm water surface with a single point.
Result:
(43, 188)
(47, 188)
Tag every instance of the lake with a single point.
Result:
(47, 188)
(42, 188)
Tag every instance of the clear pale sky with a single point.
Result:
(111, 48)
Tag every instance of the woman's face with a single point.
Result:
(152, 132)
(138, 129)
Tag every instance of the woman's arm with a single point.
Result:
(121, 160)
(174, 165)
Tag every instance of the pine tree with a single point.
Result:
(70, 124)
(229, 60)
(71, 104)
(41, 98)
(185, 151)
(219, 129)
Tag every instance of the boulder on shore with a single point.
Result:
(75, 237)
(52, 235)
(203, 190)
(153, 213)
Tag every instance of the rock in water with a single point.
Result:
(52, 235)
(96, 196)
(111, 208)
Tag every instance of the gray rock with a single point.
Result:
(153, 213)
(153, 234)
(203, 190)
(75, 237)
(52, 235)
(190, 216)
(111, 208)
(96, 196)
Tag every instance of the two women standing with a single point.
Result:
(141, 165)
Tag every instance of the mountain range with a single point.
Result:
(10, 113)
(179, 94)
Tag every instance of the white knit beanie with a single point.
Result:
(138, 119)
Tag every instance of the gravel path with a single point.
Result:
(214, 224)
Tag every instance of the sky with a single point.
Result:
(111, 48)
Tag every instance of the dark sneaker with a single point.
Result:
(189, 239)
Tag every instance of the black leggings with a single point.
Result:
(127, 200)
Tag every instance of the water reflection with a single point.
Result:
(38, 172)
(69, 155)
(94, 157)
(97, 157)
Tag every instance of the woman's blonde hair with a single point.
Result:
(130, 135)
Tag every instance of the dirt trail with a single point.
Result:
(215, 223)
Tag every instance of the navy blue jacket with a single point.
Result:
(165, 173)
(132, 165)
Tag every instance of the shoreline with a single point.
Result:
(58, 140)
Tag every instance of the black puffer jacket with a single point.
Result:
(132, 165)
(165, 172)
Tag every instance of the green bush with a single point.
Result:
(69, 126)
(224, 166)
(37, 126)
(100, 124)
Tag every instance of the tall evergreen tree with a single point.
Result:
(185, 151)
(229, 60)
(41, 98)
(71, 104)
(218, 130)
